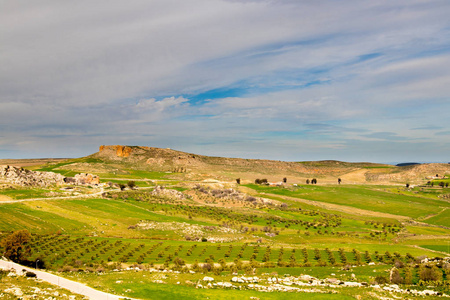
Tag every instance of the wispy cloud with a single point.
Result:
(443, 133)
(273, 79)
(429, 127)
(388, 136)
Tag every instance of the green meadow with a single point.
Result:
(352, 232)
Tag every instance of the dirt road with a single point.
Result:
(73, 286)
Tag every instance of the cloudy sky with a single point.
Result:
(286, 80)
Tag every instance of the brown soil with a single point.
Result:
(5, 198)
(29, 162)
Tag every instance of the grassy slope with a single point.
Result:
(363, 197)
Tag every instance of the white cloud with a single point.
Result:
(75, 69)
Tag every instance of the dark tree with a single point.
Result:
(430, 273)
(122, 186)
(314, 181)
(261, 181)
(15, 245)
(284, 179)
(307, 181)
(238, 181)
(407, 185)
(441, 184)
(339, 181)
(131, 184)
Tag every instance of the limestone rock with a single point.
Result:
(24, 177)
(169, 193)
(83, 179)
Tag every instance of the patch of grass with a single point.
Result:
(442, 218)
(25, 193)
(124, 283)
(138, 183)
(18, 216)
(362, 197)
(422, 230)
(442, 248)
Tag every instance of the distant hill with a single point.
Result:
(121, 160)
(407, 164)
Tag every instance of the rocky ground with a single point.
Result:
(16, 285)
(24, 177)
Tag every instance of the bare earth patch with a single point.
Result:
(5, 198)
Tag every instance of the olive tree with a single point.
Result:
(16, 245)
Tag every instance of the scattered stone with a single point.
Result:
(169, 193)
(206, 278)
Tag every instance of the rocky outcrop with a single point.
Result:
(119, 150)
(123, 151)
(83, 179)
(168, 193)
(24, 177)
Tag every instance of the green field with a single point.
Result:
(221, 229)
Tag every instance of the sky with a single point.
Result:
(286, 80)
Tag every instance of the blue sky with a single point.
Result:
(284, 80)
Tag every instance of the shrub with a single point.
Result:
(30, 274)
(430, 273)
(381, 279)
(207, 267)
(179, 261)
(408, 275)
(396, 277)
(16, 245)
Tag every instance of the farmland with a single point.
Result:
(175, 225)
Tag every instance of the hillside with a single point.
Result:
(178, 225)
(117, 159)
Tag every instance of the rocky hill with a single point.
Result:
(169, 160)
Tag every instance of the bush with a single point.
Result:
(207, 267)
(30, 274)
(16, 245)
(381, 279)
(396, 277)
(430, 273)
(131, 184)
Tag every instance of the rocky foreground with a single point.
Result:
(25, 177)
